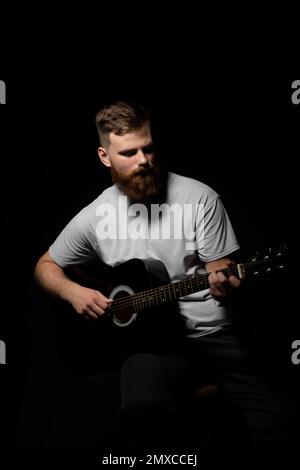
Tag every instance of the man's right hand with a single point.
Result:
(87, 301)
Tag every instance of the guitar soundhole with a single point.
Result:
(122, 309)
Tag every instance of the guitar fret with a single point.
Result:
(187, 287)
(169, 292)
(169, 289)
(163, 298)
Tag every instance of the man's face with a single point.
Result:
(133, 165)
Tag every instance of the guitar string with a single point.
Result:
(145, 296)
(155, 293)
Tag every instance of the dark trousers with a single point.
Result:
(158, 390)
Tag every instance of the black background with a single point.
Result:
(238, 134)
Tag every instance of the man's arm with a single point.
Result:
(220, 285)
(52, 278)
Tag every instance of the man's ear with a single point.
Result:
(104, 156)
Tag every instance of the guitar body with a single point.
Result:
(121, 282)
(133, 277)
(85, 344)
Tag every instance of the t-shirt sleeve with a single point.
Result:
(215, 237)
(74, 244)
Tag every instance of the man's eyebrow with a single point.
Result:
(135, 149)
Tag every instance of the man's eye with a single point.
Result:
(130, 153)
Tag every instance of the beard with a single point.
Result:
(141, 185)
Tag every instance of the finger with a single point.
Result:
(97, 309)
(218, 291)
(100, 297)
(221, 277)
(219, 284)
(104, 300)
(102, 305)
(234, 281)
(212, 279)
(91, 314)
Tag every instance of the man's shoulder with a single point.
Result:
(191, 187)
(106, 195)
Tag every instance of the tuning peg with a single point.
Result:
(255, 257)
(279, 253)
(283, 250)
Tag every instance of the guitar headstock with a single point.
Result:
(271, 262)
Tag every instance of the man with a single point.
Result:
(131, 219)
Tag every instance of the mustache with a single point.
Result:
(145, 171)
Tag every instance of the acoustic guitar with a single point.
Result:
(144, 312)
(143, 285)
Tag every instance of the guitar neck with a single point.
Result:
(171, 292)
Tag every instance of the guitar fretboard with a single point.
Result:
(169, 292)
(123, 308)
(173, 291)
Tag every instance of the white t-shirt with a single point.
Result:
(190, 228)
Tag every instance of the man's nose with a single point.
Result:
(142, 159)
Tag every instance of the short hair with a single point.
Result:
(120, 117)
